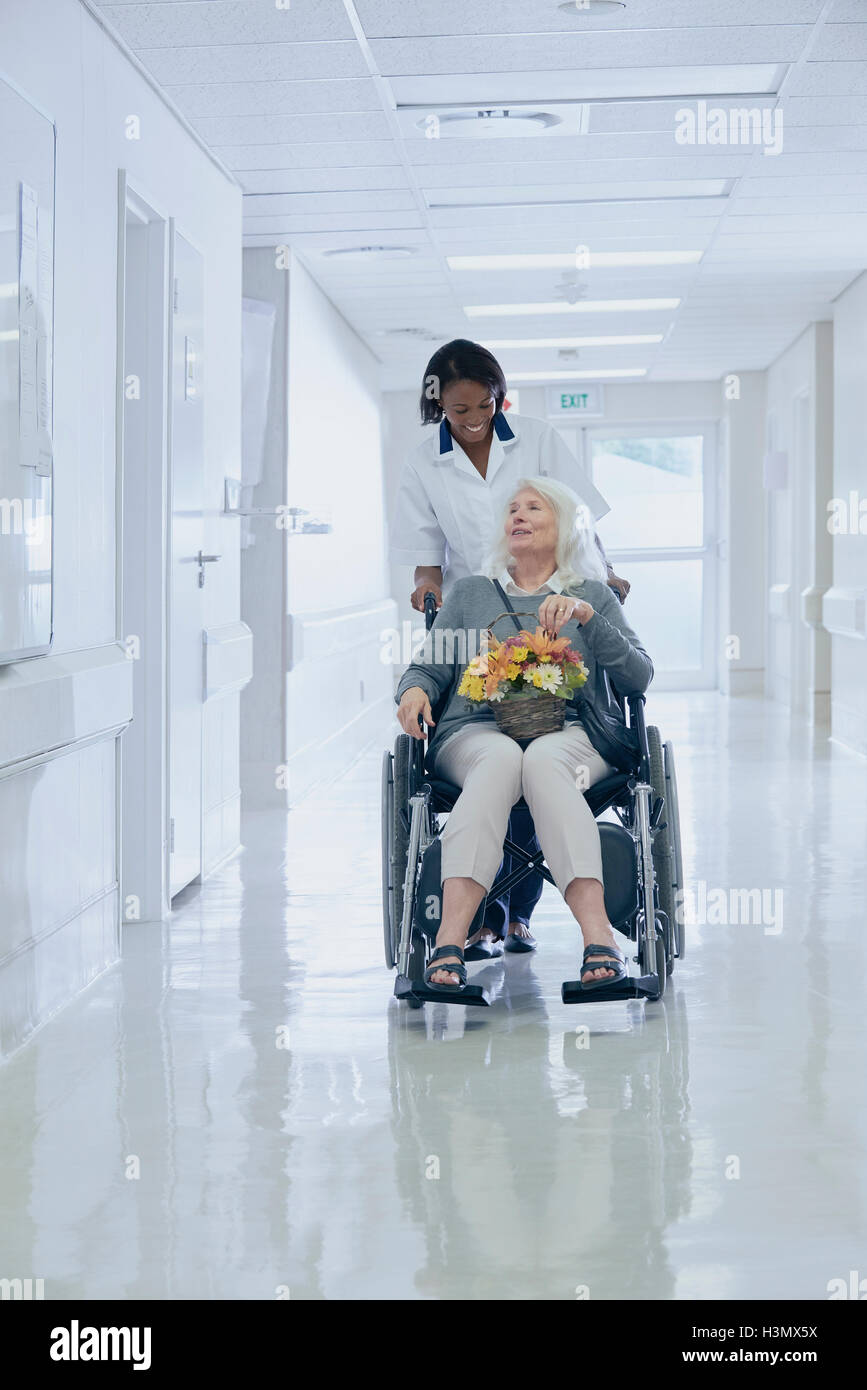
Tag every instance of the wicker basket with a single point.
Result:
(528, 716)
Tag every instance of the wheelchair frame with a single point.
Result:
(638, 805)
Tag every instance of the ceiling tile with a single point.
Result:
(322, 180)
(274, 98)
(319, 154)
(255, 62)
(226, 22)
(275, 130)
(393, 18)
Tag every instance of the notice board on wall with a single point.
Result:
(27, 167)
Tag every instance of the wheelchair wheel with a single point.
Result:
(401, 792)
(663, 840)
(387, 834)
(673, 818)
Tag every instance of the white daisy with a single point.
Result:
(550, 676)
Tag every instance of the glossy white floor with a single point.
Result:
(709, 1146)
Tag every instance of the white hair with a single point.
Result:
(577, 555)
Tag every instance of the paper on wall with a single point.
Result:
(45, 319)
(28, 258)
(28, 409)
(28, 289)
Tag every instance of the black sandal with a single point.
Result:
(454, 967)
(618, 965)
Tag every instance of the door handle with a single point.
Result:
(201, 561)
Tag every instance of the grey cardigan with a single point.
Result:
(607, 644)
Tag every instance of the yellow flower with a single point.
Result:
(537, 678)
(519, 653)
(512, 670)
(476, 688)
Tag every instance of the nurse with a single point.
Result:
(462, 475)
(453, 490)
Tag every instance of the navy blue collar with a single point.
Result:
(502, 429)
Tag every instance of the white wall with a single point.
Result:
(799, 400)
(845, 604)
(333, 586)
(62, 812)
(264, 549)
(741, 572)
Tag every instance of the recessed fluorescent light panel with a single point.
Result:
(585, 306)
(616, 340)
(577, 376)
(593, 260)
(668, 190)
(436, 92)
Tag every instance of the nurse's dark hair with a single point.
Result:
(459, 360)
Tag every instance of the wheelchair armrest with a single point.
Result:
(635, 705)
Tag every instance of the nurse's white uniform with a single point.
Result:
(446, 511)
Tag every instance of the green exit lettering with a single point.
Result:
(576, 402)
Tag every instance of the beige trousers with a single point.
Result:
(493, 771)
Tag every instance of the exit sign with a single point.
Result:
(571, 401)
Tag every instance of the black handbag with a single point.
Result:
(610, 735)
(612, 738)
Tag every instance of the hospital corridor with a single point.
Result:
(433, 670)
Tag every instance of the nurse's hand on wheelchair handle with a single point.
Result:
(558, 609)
(414, 703)
(417, 596)
(620, 586)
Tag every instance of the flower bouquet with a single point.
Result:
(526, 680)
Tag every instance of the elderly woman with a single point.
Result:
(548, 557)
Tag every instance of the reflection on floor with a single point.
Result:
(240, 1110)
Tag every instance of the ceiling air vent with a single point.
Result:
(371, 253)
(491, 122)
(579, 7)
(408, 333)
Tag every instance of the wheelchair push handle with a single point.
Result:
(430, 610)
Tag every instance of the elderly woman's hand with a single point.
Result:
(558, 609)
(414, 702)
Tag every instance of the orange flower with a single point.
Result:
(549, 648)
(499, 660)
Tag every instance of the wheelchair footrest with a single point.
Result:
(633, 987)
(416, 989)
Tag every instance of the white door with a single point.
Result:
(187, 570)
(143, 413)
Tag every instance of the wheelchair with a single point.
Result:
(641, 866)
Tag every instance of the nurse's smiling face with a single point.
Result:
(469, 408)
(531, 527)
